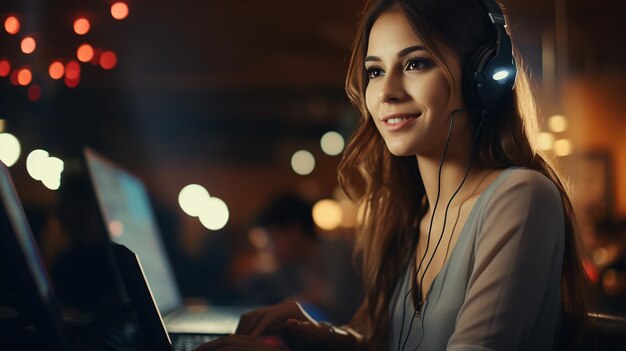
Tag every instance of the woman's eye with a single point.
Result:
(415, 64)
(374, 72)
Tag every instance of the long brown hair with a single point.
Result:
(391, 188)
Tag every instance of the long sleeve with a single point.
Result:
(512, 300)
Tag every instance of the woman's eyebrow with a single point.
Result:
(401, 53)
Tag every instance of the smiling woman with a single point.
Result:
(446, 118)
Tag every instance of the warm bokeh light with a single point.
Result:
(193, 198)
(108, 60)
(72, 70)
(82, 26)
(303, 162)
(215, 215)
(332, 143)
(5, 68)
(116, 228)
(34, 92)
(2, 125)
(119, 10)
(327, 214)
(557, 123)
(71, 83)
(95, 60)
(56, 70)
(562, 147)
(13, 77)
(9, 149)
(545, 141)
(12, 25)
(24, 76)
(259, 238)
(44, 168)
(84, 53)
(28, 45)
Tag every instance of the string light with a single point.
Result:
(28, 45)
(82, 26)
(12, 25)
(119, 10)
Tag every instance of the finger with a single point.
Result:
(267, 324)
(248, 321)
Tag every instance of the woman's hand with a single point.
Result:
(312, 336)
(272, 319)
(237, 343)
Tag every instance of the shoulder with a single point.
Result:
(524, 184)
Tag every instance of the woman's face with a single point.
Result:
(408, 95)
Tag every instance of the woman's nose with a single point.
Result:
(392, 89)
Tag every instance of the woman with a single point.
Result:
(468, 238)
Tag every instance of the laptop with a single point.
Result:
(35, 300)
(130, 221)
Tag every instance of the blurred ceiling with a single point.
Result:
(233, 81)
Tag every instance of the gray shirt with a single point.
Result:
(500, 287)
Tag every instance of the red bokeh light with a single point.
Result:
(85, 53)
(108, 60)
(24, 76)
(34, 92)
(56, 70)
(72, 70)
(5, 68)
(72, 83)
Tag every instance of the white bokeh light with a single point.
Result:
(332, 143)
(36, 163)
(9, 149)
(562, 147)
(193, 198)
(215, 215)
(303, 162)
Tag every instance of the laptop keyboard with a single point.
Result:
(187, 342)
(212, 322)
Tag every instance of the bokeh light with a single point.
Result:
(56, 70)
(72, 70)
(119, 10)
(12, 25)
(562, 147)
(82, 26)
(327, 214)
(557, 123)
(2, 125)
(44, 168)
(24, 76)
(34, 92)
(332, 143)
(545, 141)
(28, 45)
(303, 162)
(193, 198)
(84, 53)
(71, 83)
(108, 60)
(215, 215)
(9, 149)
(5, 68)
(116, 228)
(13, 77)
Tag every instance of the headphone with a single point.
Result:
(489, 73)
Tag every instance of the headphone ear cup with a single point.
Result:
(474, 78)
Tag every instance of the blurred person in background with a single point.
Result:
(304, 267)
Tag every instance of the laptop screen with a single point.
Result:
(25, 262)
(130, 221)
